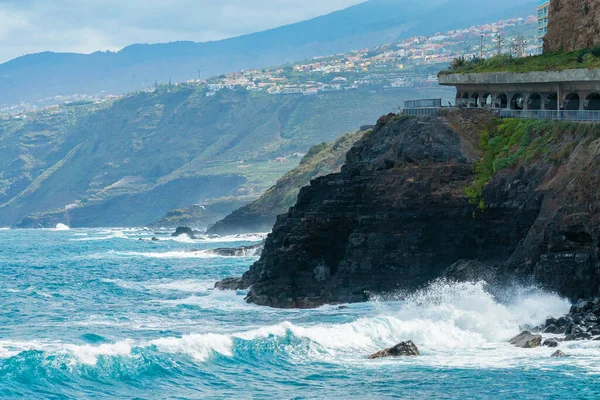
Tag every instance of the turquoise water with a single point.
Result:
(92, 314)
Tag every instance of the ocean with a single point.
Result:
(99, 314)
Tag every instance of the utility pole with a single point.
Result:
(499, 42)
(481, 36)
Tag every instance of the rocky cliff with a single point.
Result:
(260, 215)
(572, 25)
(462, 195)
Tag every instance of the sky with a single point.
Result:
(85, 26)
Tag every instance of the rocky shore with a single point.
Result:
(461, 195)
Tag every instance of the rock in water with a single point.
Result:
(231, 284)
(184, 231)
(526, 340)
(550, 343)
(558, 354)
(401, 349)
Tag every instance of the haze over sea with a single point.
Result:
(100, 314)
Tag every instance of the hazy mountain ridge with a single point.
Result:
(43, 75)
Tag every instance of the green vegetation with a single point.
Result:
(131, 161)
(507, 142)
(555, 61)
(321, 159)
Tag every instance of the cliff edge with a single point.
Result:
(462, 195)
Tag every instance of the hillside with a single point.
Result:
(45, 75)
(260, 215)
(129, 162)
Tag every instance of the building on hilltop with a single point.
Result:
(543, 9)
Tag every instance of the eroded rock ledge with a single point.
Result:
(397, 216)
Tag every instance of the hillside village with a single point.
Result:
(413, 62)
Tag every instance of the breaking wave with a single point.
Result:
(452, 323)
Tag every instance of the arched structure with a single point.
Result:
(474, 102)
(592, 102)
(517, 102)
(572, 102)
(551, 102)
(501, 101)
(487, 100)
(534, 101)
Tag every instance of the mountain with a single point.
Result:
(260, 215)
(127, 163)
(45, 75)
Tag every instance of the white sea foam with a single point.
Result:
(172, 254)
(112, 235)
(453, 324)
(185, 285)
(61, 227)
(4, 229)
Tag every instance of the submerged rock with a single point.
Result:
(558, 354)
(243, 251)
(401, 349)
(526, 340)
(231, 284)
(550, 343)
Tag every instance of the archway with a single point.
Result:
(474, 102)
(551, 102)
(592, 102)
(534, 102)
(572, 102)
(501, 101)
(517, 102)
(465, 99)
(487, 100)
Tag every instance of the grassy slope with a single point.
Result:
(322, 159)
(556, 61)
(507, 142)
(128, 164)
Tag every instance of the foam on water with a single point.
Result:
(452, 323)
(61, 227)
(168, 254)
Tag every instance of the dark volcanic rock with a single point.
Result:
(550, 343)
(397, 216)
(401, 349)
(553, 329)
(184, 231)
(558, 354)
(526, 340)
(244, 251)
(231, 284)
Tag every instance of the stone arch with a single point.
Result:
(551, 102)
(592, 102)
(534, 101)
(572, 102)
(474, 101)
(487, 100)
(501, 101)
(517, 102)
(465, 99)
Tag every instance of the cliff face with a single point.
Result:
(572, 25)
(398, 215)
(260, 215)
